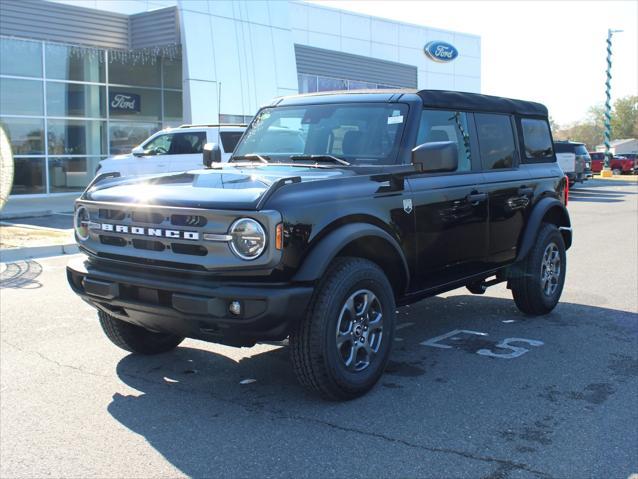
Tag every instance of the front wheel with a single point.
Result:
(538, 287)
(342, 346)
(135, 338)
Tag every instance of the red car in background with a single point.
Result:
(622, 164)
(625, 164)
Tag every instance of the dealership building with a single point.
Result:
(84, 79)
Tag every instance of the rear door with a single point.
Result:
(450, 211)
(509, 188)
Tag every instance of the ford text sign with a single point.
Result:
(120, 102)
(440, 52)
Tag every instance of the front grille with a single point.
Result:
(146, 217)
(112, 240)
(108, 214)
(170, 237)
(148, 245)
(192, 249)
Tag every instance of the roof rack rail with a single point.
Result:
(212, 125)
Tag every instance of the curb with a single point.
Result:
(17, 254)
(30, 214)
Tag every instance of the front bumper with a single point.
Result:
(194, 308)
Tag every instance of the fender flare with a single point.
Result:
(535, 220)
(318, 260)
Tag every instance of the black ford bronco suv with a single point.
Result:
(334, 209)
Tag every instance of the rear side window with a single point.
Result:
(537, 140)
(496, 141)
(441, 125)
(230, 140)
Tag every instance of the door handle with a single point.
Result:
(525, 191)
(476, 198)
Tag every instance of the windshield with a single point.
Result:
(361, 134)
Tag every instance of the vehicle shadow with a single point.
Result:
(599, 196)
(193, 408)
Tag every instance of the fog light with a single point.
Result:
(235, 308)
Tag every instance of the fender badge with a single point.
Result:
(407, 206)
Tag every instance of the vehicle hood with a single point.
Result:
(226, 187)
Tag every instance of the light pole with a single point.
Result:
(606, 172)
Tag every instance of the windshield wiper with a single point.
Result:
(318, 158)
(250, 157)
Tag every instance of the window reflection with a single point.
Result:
(76, 137)
(123, 136)
(20, 58)
(71, 174)
(72, 99)
(26, 135)
(28, 176)
(21, 97)
(74, 63)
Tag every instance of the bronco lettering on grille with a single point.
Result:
(156, 232)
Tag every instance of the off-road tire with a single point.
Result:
(527, 286)
(314, 354)
(135, 338)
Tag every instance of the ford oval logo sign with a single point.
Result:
(440, 52)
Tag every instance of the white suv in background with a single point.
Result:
(173, 149)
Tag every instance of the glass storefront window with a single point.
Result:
(130, 70)
(173, 105)
(72, 99)
(28, 176)
(124, 136)
(361, 85)
(76, 137)
(21, 97)
(71, 174)
(26, 135)
(331, 84)
(20, 58)
(172, 71)
(74, 63)
(135, 104)
(307, 83)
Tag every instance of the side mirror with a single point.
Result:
(138, 151)
(435, 157)
(211, 154)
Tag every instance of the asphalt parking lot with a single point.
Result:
(474, 389)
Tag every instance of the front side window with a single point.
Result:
(362, 134)
(537, 139)
(443, 125)
(496, 141)
(176, 144)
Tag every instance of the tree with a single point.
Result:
(624, 119)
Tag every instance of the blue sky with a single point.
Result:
(552, 52)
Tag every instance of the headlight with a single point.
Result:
(81, 221)
(249, 238)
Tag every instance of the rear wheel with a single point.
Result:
(135, 338)
(342, 346)
(538, 288)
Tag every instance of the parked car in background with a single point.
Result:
(625, 164)
(574, 159)
(597, 161)
(173, 149)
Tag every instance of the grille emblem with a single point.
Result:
(152, 232)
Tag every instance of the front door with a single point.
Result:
(185, 152)
(450, 208)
